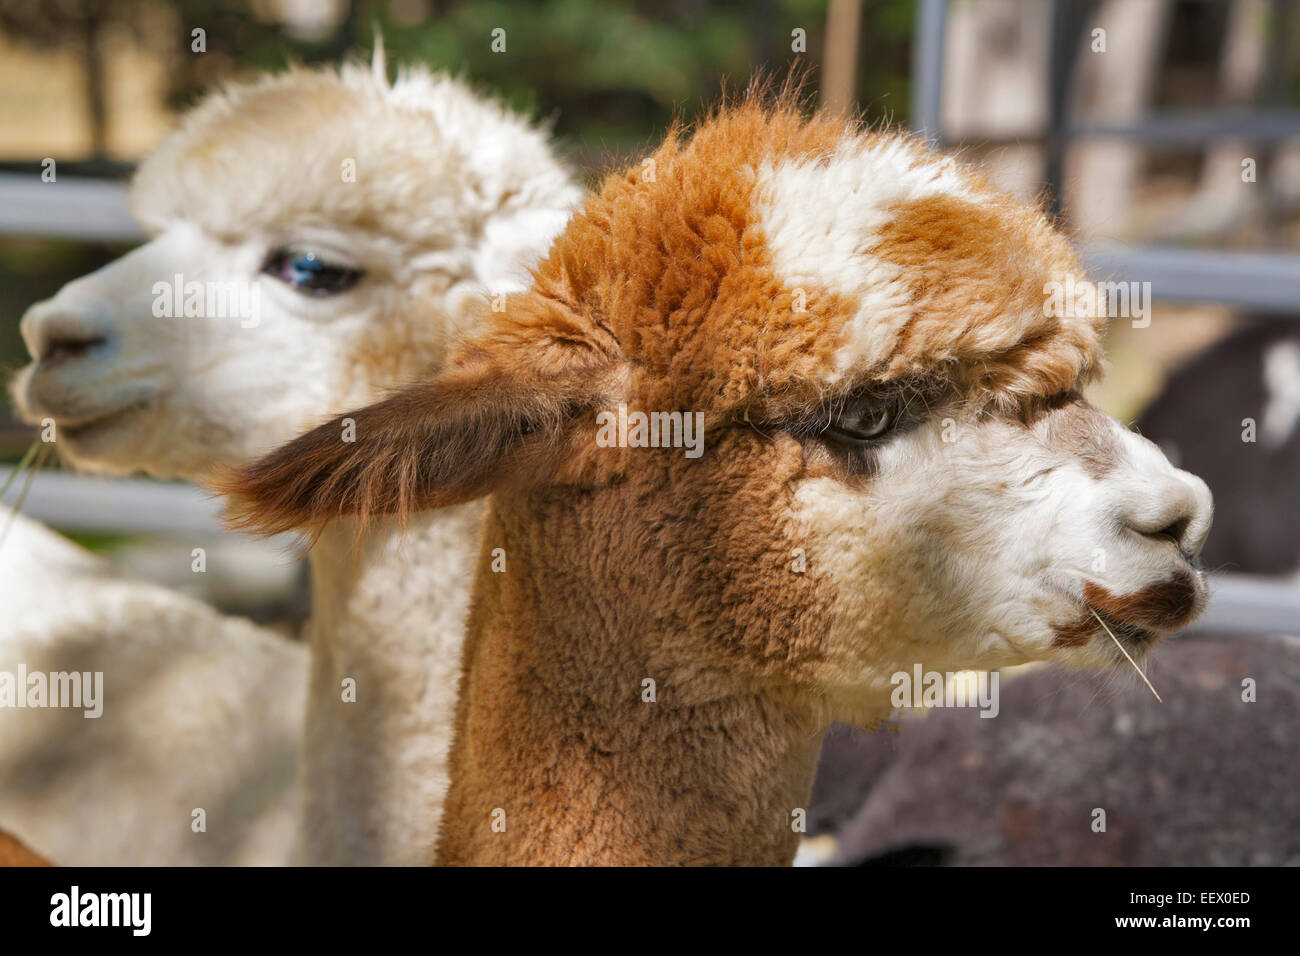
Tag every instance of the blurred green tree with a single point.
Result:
(611, 74)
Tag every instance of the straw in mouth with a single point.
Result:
(1125, 653)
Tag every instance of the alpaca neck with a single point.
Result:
(559, 758)
(386, 630)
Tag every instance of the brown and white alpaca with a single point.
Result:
(897, 469)
(370, 220)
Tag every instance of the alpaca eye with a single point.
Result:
(309, 273)
(866, 421)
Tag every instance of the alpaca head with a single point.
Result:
(316, 237)
(896, 465)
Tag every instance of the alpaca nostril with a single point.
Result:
(1176, 531)
(69, 347)
(56, 330)
(1179, 510)
(1187, 515)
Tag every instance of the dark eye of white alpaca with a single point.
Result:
(866, 420)
(308, 273)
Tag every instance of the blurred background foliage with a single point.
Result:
(97, 83)
(610, 73)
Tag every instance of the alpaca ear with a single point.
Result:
(452, 439)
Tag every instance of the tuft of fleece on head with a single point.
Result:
(770, 249)
(424, 160)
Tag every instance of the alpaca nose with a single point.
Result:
(53, 332)
(1176, 506)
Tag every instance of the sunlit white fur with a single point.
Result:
(968, 554)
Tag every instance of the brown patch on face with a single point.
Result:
(1073, 424)
(1165, 606)
(1077, 633)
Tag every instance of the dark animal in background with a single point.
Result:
(1199, 420)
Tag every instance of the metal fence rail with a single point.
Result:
(120, 505)
(1242, 604)
(68, 208)
(1239, 605)
(1256, 281)
(86, 503)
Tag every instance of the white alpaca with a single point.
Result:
(363, 225)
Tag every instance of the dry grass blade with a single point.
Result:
(23, 462)
(1125, 653)
(27, 466)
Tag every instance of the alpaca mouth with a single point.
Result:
(79, 408)
(1164, 606)
(1095, 623)
(77, 423)
(80, 427)
(1136, 619)
(1130, 633)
